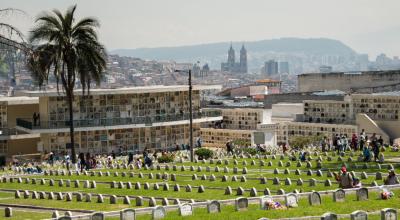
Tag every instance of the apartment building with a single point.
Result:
(131, 119)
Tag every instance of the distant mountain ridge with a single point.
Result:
(317, 46)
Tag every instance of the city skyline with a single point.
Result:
(366, 26)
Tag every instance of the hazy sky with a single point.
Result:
(368, 26)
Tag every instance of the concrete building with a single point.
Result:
(298, 97)
(237, 124)
(156, 117)
(328, 111)
(12, 140)
(361, 82)
(375, 113)
(271, 68)
(283, 67)
(285, 112)
(256, 91)
(212, 137)
(286, 131)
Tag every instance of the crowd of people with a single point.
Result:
(340, 142)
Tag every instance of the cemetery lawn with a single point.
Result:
(182, 194)
(304, 209)
(228, 211)
(27, 215)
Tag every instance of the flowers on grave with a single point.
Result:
(274, 205)
(386, 194)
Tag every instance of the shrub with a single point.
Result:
(204, 153)
(167, 158)
(250, 151)
(241, 142)
(304, 141)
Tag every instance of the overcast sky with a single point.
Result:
(368, 26)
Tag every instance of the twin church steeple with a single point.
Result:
(231, 65)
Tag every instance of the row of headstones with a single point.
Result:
(314, 197)
(8, 213)
(139, 201)
(201, 188)
(165, 176)
(315, 153)
(291, 201)
(158, 212)
(156, 186)
(263, 180)
(208, 169)
(385, 214)
(364, 175)
(61, 182)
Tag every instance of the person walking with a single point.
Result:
(362, 140)
(344, 143)
(338, 143)
(82, 162)
(354, 142)
(375, 147)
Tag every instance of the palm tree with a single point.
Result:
(69, 50)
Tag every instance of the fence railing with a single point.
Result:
(147, 120)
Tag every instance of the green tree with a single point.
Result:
(69, 50)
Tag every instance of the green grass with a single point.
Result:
(228, 212)
(27, 215)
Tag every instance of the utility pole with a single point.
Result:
(190, 112)
(191, 118)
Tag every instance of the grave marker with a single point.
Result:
(362, 194)
(214, 207)
(359, 215)
(98, 216)
(329, 216)
(314, 199)
(291, 200)
(388, 214)
(185, 209)
(127, 214)
(241, 204)
(158, 212)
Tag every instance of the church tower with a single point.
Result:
(231, 58)
(243, 60)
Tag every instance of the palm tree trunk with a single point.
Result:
(70, 98)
